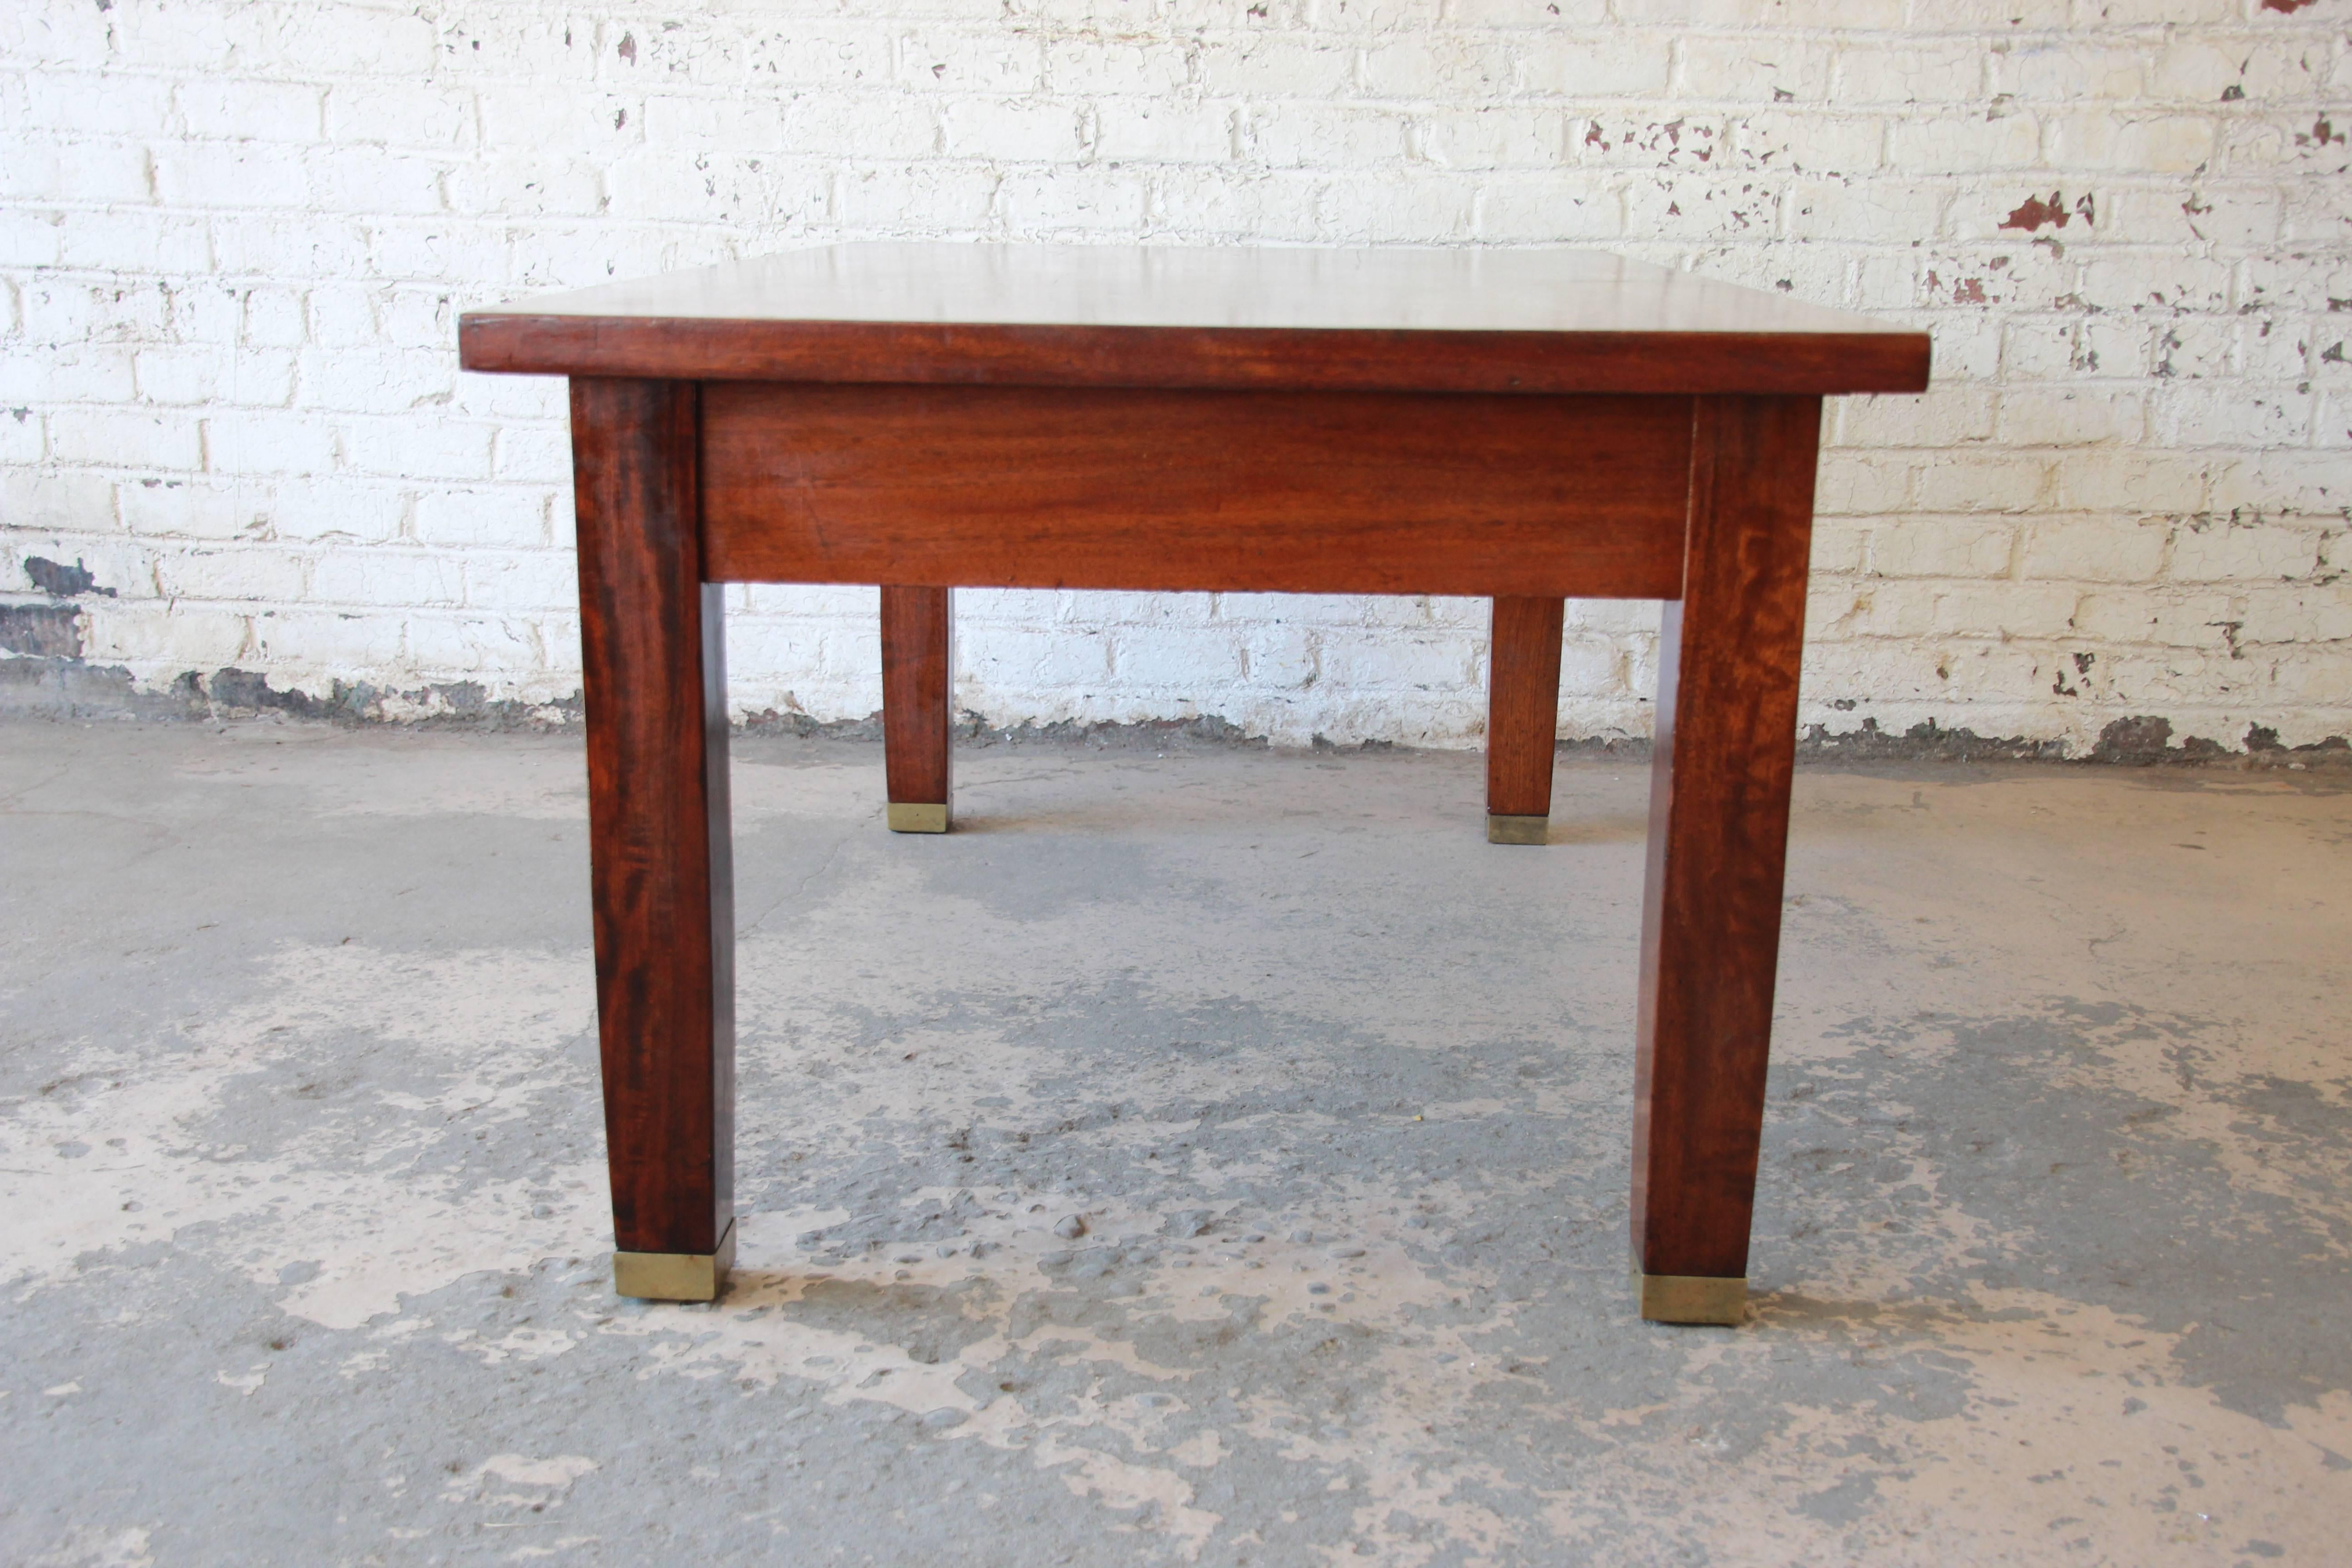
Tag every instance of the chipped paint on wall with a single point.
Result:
(227, 317)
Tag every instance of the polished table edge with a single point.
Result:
(1309, 359)
(674, 1276)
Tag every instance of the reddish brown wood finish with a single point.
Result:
(654, 674)
(917, 667)
(1726, 725)
(1338, 492)
(1522, 706)
(1525, 426)
(1234, 358)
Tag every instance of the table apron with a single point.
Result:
(1582, 496)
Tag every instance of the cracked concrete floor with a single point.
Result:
(305, 1241)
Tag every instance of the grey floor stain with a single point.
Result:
(1218, 1158)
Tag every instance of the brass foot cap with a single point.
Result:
(674, 1276)
(917, 818)
(1691, 1298)
(1501, 829)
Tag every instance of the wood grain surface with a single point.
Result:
(1350, 492)
(916, 669)
(661, 872)
(1726, 744)
(1522, 706)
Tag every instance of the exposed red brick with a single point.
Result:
(2035, 212)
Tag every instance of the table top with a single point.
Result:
(1395, 318)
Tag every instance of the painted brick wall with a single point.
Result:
(237, 233)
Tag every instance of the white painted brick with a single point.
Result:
(117, 103)
(998, 128)
(1377, 210)
(126, 438)
(512, 519)
(2240, 415)
(1201, 663)
(1389, 662)
(247, 111)
(416, 448)
(262, 223)
(1523, 211)
(1887, 211)
(865, 125)
(1944, 416)
(1316, 135)
(1501, 138)
(256, 573)
(191, 509)
(1911, 72)
(1142, 70)
(976, 59)
(418, 114)
(1172, 132)
(168, 638)
(1587, 65)
(460, 647)
(2133, 484)
(240, 441)
(324, 38)
(2002, 609)
(1943, 547)
(334, 510)
(1043, 203)
(2006, 481)
(951, 198)
(23, 442)
(2141, 144)
(200, 373)
(374, 380)
(1932, 143)
(232, 173)
(257, 247)
(311, 639)
(2293, 617)
(2218, 551)
(537, 580)
(532, 455)
(2095, 550)
(2049, 416)
(68, 372)
(138, 242)
(2083, 67)
(1744, 68)
(393, 579)
(2158, 617)
(1835, 144)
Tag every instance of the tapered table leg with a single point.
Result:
(1522, 719)
(915, 724)
(661, 871)
(1726, 742)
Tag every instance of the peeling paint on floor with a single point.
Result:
(1216, 1158)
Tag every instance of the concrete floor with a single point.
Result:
(305, 1240)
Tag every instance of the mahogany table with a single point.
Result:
(1525, 425)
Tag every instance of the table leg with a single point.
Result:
(661, 868)
(1522, 719)
(1726, 742)
(917, 667)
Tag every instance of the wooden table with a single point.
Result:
(1523, 426)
